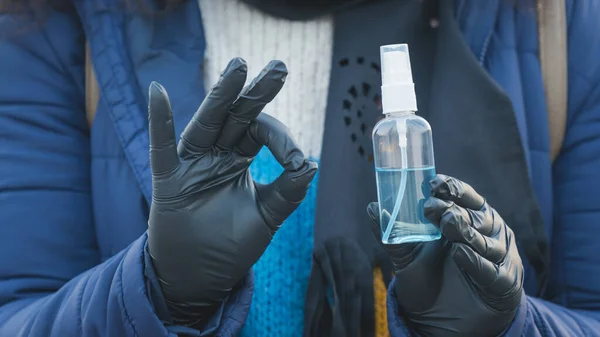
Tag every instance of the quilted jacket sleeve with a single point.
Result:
(573, 308)
(51, 280)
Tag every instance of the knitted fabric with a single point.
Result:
(281, 274)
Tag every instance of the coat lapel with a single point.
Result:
(129, 51)
(477, 139)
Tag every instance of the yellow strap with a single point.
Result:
(381, 324)
(92, 93)
(552, 29)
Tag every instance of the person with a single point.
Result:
(120, 229)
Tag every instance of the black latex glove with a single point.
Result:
(209, 221)
(470, 282)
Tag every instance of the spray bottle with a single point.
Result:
(403, 154)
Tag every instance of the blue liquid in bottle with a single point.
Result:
(403, 154)
(410, 224)
(404, 163)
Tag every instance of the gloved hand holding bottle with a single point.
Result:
(470, 282)
(458, 271)
(209, 221)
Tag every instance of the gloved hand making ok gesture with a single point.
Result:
(209, 221)
(470, 282)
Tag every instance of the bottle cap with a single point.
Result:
(397, 90)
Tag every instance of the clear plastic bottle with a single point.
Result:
(403, 153)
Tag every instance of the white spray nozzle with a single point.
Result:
(395, 64)
(397, 90)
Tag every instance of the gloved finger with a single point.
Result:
(204, 128)
(267, 131)
(481, 271)
(488, 276)
(373, 213)
(452, 189)
(251, 102)
(434, 208)
(401, 254)
(163, 146)
(456, 225)
(385, 220)
(485, 220)
(280, 198)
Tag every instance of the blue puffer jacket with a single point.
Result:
(73, 204)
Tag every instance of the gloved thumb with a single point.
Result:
(401, 254)
(292, 185)
(280, 198)
(373, 213)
